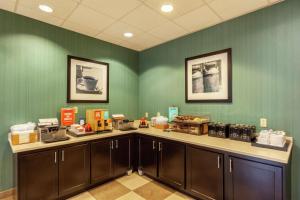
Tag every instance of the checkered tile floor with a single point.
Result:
(133, 187)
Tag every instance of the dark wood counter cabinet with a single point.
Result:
(204, 173)
(171, 163)
(110, 158)
(148, 154)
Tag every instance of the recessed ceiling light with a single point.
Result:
(128, 34)
(45, 8)
(167, 8)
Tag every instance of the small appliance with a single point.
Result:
(50, 131)
(118, 121)
(99, 120)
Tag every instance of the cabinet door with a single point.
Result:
(250, 180)
(121, 155)
(171, 163)
(204, 173)
(101, 159)
(38, 176)
(74, 168)
(148, 155)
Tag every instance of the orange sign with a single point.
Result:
(98, 114)
(67, 116)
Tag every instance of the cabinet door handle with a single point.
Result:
(55, 157)
(112, 144)
(230, 165)
(219, 161)
(153, 144)
(63, 155)
(117, 144)
(159, 146)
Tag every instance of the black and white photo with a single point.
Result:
(87, 80)
(208, 77)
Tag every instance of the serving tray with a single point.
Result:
(284, 148)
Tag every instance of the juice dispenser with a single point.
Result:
(95, 117)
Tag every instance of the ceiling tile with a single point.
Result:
(208, 1)
(130, 45)
(204, 16)
(275, 1)
(41, 16)
(181, 7)
(7, 5)
(117, 29)
(233, 8)
(109, 38)
(146, 40)
(108, 19)
(144, 18)
(168, 31)
(87, 17)
(80, 28)
(112, 8)
(61, 9)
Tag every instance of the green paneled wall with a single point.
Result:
(33, 71)
(266, 70)
(266, 66)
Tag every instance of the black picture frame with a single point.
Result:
(229, 77)
(69, 95)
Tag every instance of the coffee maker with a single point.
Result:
(99, 120)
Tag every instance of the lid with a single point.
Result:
(161, 119)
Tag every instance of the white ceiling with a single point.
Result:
(108, 19)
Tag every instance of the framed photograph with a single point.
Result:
(87, 81)
(208, 77)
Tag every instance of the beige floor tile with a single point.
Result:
(133, 181)
(109, 191)
(153, 190)
(83, 196)
(147, 178)
(131, 196)
(7, 198)
(178, 196)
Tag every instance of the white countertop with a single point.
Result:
(228, 145)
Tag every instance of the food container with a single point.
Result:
(195, 125)
(212, 129)
(242, 132)
(52, 133)
(273, 138)
(24, 137)
(77, 129)
(117, 121)
(126, 124)
(23, 127)
(218, 130)
(278, 139)
(161, 122)
(23, 133)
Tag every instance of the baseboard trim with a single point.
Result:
(7, 193)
